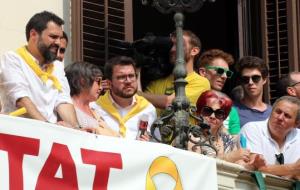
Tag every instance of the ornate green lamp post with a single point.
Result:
(176, 124)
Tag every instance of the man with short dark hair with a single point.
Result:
(253, 76)
(289, 85)
(277, 139)
(62, 47)
(121, 108)
(31, 78)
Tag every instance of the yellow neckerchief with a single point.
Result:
(106, 103)
(44, 76)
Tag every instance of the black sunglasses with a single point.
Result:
(280, 158)
(207, 111)
(220, 71)
(254, 78)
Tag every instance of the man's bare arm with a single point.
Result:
(282, 170)
(32, 111)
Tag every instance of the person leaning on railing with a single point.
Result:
(32, 79)
(85, 85)
(214, 107)
(277, 139)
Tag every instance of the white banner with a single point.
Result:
(42, 156)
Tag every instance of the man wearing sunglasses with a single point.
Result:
(214, 65)
(253, 76)
(277, 139)
(289, 85)
(161, 92)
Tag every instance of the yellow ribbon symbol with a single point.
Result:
(164, 165)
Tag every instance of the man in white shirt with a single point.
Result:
(277, 139)
(32, 78)
(121, 108)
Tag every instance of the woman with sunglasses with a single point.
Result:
(85, 84)
(214, 107)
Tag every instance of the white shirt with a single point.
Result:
(259, 141)
(18, 80)
(132, 124)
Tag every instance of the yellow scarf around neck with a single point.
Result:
(106, 103)
(44, 76)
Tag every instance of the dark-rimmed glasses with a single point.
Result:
(122, 78)
(294, 84)
(207, 111)
(254, 78)
(220, 71)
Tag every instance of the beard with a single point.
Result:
(122, 93)
(186, 55)
(47, 54)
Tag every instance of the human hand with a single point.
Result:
(65, 124)
(238, 154)
(257, 161)
(144, 137)
(105, 85)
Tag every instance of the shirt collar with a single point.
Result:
(118, 106)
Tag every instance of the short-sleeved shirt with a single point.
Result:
(232, 122)
(247, 114)
(196, 85)
(259, 141)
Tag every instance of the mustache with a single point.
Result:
(53, 46)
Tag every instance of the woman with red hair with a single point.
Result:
(214, 107)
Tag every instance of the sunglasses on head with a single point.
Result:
(207, 111)
(220, 71)
(254, 78)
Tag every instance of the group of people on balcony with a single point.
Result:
(247, 131)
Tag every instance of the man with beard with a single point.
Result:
(253, 76)
(161, 92)
(214, 65)
(121, 108)
(32, 79)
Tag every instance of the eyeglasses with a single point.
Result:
(207, 111)
(62, 50)
(122, 78)
(220, 71)
(280, 158)
(254, 78)
(294, 84)
(98, 80)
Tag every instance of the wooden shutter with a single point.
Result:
(99, 26)
(276, 42)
